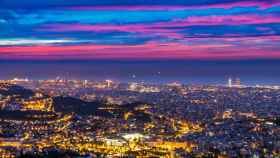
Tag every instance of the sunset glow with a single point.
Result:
(145, 30)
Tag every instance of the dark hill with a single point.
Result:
(69, 105)
(131, 106)
(8, 89)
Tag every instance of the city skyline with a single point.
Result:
(262, 72)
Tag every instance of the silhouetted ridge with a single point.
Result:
(70, 104)
(15, 90)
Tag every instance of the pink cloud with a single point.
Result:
(231, 20)
(133, 28)
(261, 4)
(146, 51)
(161, 28)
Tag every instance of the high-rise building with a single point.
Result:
(229, 82)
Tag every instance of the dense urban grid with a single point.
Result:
(82, 118)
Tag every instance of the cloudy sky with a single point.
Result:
(139, 29)
(194, 41)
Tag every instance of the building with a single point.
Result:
(229, 82)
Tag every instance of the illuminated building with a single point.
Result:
(229, 82)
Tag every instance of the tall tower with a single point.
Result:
(229, 82)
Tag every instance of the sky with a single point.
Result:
(139, 29)
(177, 39)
